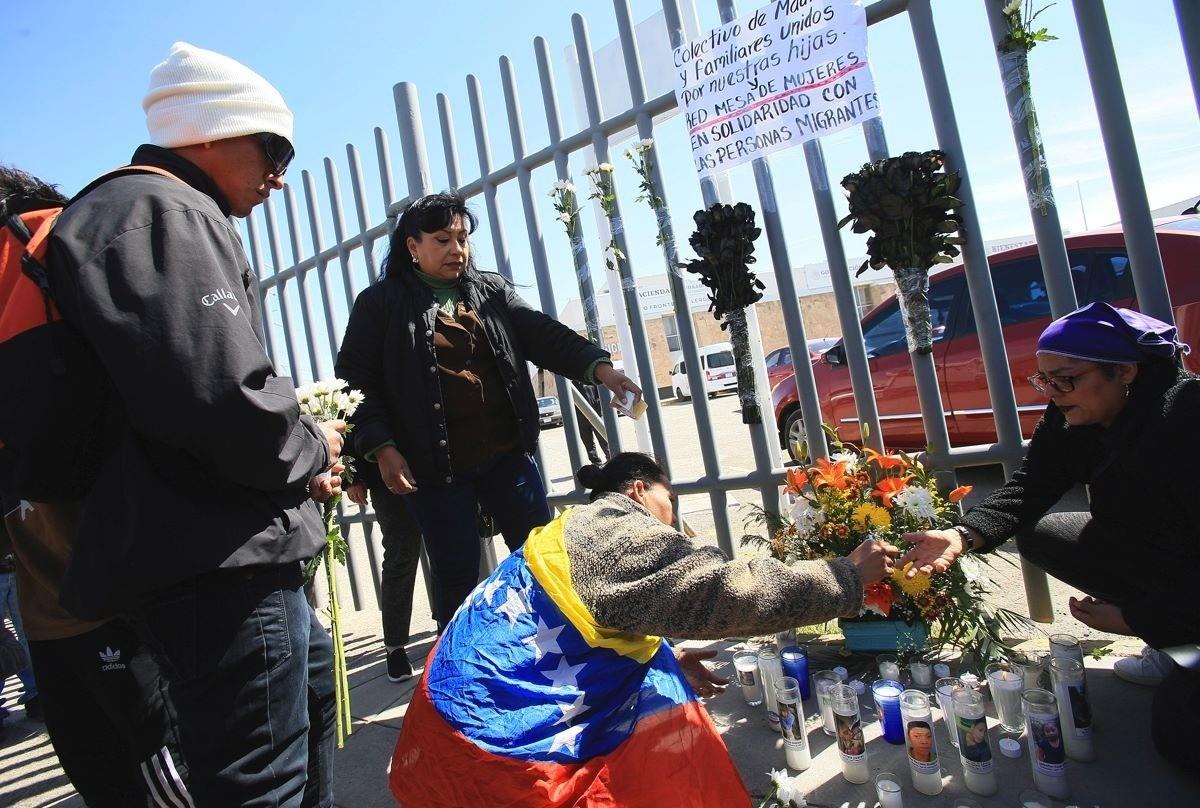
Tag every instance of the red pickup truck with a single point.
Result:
(1100, 270)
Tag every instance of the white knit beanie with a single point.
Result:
(198, 95)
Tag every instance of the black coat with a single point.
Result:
(387, 353)
(1144, 479)
(206, 457)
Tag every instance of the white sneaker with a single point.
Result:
(1148, 669)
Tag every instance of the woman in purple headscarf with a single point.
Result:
(1123, 418)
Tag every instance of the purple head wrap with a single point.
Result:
(1099, 333)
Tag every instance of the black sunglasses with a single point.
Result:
(279, 151)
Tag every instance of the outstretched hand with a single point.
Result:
(932, 551)
(702, 680)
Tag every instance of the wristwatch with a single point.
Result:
(965, 532)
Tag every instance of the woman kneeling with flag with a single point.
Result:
(552, 684)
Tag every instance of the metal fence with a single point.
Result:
(306, 288)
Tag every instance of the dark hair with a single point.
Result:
(620, 472)
(23, 185)
(920, 725)
(428, 214)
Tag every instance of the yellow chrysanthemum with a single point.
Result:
(914, 586)
(869, 516)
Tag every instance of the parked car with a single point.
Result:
(720, 375)
(779, 361)
(1100, 271)
(549, 412)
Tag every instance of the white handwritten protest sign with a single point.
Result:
(792, 71)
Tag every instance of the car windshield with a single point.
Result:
(547, 402)
(720, 359)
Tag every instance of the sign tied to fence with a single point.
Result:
(792, 71)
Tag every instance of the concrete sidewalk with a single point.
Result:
(1127, 771)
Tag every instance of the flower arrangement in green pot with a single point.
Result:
(724, 245)
(907, 203)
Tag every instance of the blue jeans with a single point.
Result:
(250, 673)
(9, 608)
(509, 488)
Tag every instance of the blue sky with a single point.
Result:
(336, 68)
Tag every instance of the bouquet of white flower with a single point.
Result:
(331, 401)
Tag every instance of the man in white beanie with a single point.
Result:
(202, 508)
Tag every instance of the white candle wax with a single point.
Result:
(889, 670)
(770, 669)
(791, 720)
(918, 738)
(888, 792)
(1074, 709)
(746, 666)
(922, 673)
(974, 751)
(1047, 752)
(852, 745)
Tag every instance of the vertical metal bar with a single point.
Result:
(979, 278)
(306, 311)
(339, 232)
(1145, 261)
(1043, 208)
(484, 150)
(929, 392)
(384, 159)
(1187, 15)
(449, 142)
(537, 250)
(843, 294)
(322, 267)
(637, 323)
(256, 262)
(363, 212)
(583, 274)
(289, 325)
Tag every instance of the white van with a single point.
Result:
(720, 374)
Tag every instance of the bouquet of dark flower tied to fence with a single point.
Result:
(332, 401)
(907, 204)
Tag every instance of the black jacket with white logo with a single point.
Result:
(206, 457)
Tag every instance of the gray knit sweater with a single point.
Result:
(638, 575)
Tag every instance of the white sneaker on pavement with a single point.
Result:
(1148, 669)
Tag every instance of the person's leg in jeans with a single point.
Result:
(322, 716)
(401, 554)
(448, 518)
(511, 490)
(9, 607)
(235, 650)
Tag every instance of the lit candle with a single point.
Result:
(791, 723)
(922, 672)
(889, 666)
(795, 665)
(945, 688)
(746, 666)
(852, 745)
(770, 669)
(823, 682)
(1074, 708)
(886, 693)
(974, 746)
(1006, 694)
(918, 736)
(1047, 752)
(887, 789)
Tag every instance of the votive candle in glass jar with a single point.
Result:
(923, 762)
(852, 746)
(1074, 708)
(1047, 751)
(974, 745)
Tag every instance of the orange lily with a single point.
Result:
(884, 461)
(878, 597)
(795, 480)
(888, 487)
(958, 493)
(829, 473)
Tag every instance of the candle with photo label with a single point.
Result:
(1047, 751)
(791, 723)
(852, 746)
(974, 745)
(923, 762)
(770, 670)
(1074, 708)
(746, 667)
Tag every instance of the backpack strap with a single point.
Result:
(117, 172)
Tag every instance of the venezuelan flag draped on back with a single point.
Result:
(525, 701)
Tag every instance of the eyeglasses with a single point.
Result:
(1059, 384)
(279, 151)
